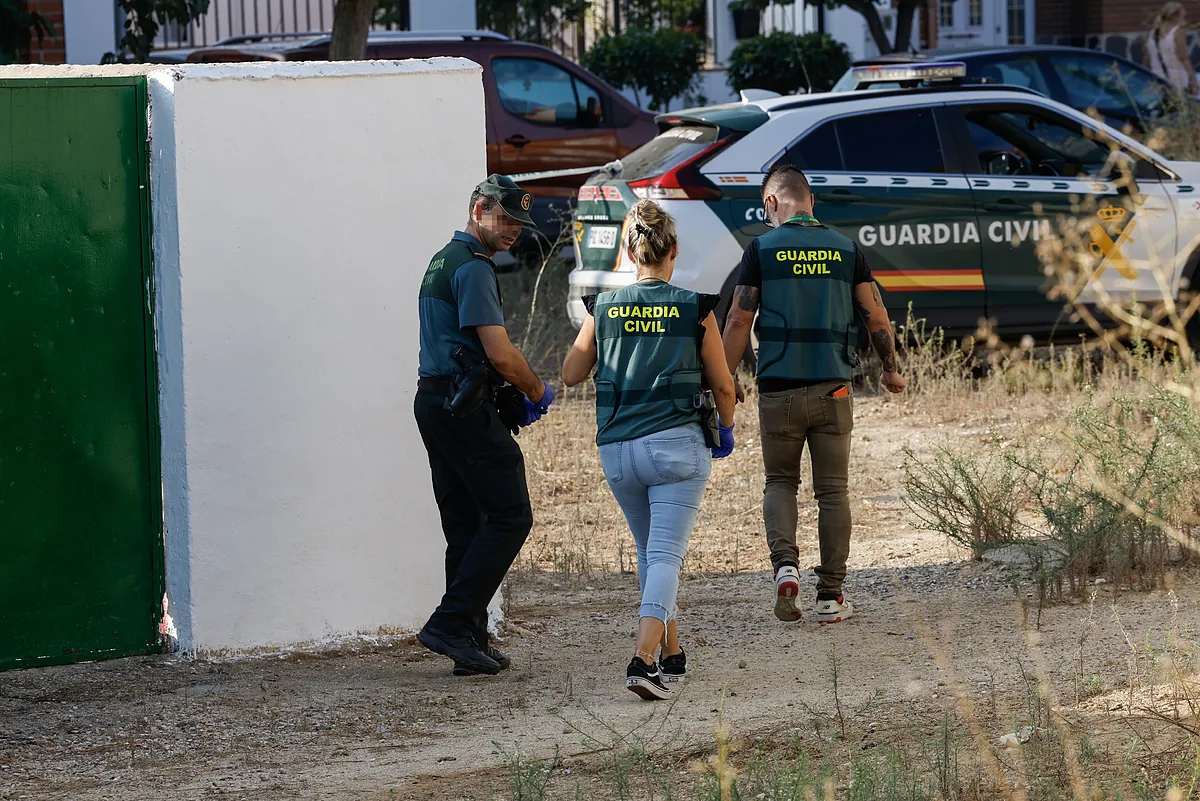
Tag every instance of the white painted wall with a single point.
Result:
(91, 30)
(308, 197)
(442, 15)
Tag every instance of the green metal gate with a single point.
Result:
(81, 554)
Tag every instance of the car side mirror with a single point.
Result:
(589, 115)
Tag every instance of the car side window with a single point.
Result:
(1032, 142)
(1106, 84)
(1013, 71)
(818, 151)
(540, 92)
(903, 141)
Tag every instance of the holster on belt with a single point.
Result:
(470, 389)
(481, 383)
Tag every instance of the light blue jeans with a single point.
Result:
(659, 480)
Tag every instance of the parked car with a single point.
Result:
(1124, 93)
(543, 112)
(947, 188)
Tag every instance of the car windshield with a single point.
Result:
(667, 151)
(1108, 85)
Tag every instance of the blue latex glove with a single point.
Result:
(530, 414)
(726, 446)
(547, 398)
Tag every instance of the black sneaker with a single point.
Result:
(673, 667)
(501, 658)
(461, 648)
(646, 680)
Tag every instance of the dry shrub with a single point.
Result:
(974, 499)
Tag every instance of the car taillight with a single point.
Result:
(684, 182)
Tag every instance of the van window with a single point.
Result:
(541, 92)
(667, 151)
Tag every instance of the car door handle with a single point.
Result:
(1004, 205)
(517, 140)
(840, 196)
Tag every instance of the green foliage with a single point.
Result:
(143, 18)
(778, 62)
(1129, 473)
(1109, 496)
(757, 5)
(661, 64)
(391, 13)
(18, 25)
(529, 20)
(651, 13)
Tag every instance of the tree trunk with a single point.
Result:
(904, 24)
(874, 24)
(351, 23)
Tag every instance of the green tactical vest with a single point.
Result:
(439, 275)
(807, 329)
(648, 360)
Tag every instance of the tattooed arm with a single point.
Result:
(870, 306)
(737, 328)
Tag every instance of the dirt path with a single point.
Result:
(388, 721)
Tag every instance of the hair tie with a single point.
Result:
(641, 229)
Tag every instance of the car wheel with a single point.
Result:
(750, 357)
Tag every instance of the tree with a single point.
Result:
(905, 9)
(351, 24)
(785, 62)
(143, 18)
(663, 64)
(539, 21)
(18, 25)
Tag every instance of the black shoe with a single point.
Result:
(673, 667)
(461, 648)
(496, 654)
(646, 681)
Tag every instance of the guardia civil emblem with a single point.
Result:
(1112, 231)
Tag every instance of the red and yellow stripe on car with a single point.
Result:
(929, 280)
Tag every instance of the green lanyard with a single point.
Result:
(801, 218)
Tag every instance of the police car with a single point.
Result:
(946, 186)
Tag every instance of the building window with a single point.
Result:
(946, 13)
(975, 13)
(1016, 22)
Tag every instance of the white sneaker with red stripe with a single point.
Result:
(787, 587)
(837, 610)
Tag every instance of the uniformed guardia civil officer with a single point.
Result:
(650, 343)
(806, 283)
(478, 469)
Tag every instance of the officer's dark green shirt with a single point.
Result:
(445, 326)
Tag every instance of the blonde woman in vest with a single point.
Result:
(1166, 49)
(650, 343)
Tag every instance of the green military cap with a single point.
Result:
(515, 201)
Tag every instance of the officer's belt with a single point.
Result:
(443, 387)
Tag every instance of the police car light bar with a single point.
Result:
(939, 71)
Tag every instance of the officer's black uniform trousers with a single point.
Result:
(479, 484)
